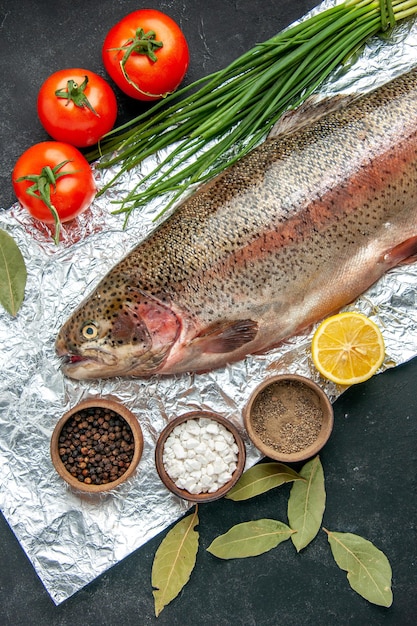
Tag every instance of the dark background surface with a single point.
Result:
(370, 461)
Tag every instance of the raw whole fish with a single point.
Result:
(289, 234)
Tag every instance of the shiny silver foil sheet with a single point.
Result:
(72, 538)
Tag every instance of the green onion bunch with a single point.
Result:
(213, 122)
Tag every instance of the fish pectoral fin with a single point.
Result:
(404, 253)
(227, 336)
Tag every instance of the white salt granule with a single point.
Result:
(200, 455)
(178, 450)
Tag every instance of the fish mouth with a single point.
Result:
(91, 360)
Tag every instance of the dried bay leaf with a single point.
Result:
(261, 478)
(13, 274)
(306, 504)
(368, 569)
(250, 539)
(174, 561)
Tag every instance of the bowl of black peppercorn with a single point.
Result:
(96, 445)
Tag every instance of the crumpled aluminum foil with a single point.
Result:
(72, 538)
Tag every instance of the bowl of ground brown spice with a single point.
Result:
(96, 445)
(288, 418)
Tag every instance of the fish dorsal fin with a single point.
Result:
(310, 111)
(227, 336)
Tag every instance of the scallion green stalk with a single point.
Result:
(211, 123)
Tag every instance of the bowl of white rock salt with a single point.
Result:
(200, 456)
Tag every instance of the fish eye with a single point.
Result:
(89, 330)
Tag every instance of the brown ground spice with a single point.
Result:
(287, 416)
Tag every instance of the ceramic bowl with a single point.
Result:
(288, 418)
(82, 411)
(169, 482)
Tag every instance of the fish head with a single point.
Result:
(117, 332)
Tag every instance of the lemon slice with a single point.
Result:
(347, 348)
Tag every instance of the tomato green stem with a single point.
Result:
(41, 189)
(75, 93)
(142, 43)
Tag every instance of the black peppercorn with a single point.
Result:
(82, 446)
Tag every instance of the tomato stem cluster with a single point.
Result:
(41, 189)
(142, 43)
(75, 93)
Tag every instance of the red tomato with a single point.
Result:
(54, 182)
(146, 54)
(77, 106)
